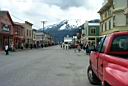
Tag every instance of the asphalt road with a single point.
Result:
(50, 66)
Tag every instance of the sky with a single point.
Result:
(52, 11)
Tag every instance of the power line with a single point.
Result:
(24, 20)
(17, 18)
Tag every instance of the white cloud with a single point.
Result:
(37, 10)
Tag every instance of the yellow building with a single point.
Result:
(114, 16)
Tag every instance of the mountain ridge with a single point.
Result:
(58, 34)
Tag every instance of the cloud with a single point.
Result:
(52, 11)
(66, 4)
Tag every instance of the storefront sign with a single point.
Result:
(5, 28)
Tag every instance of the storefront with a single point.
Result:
(5, 36)
(18, 35)
(6, 29)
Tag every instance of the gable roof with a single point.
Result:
(3, 13)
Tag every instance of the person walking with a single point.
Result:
(7, 49)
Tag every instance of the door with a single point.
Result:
(95, 57)
(100, 60)
(94, 60)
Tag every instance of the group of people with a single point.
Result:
(11, 47)
(87, 47)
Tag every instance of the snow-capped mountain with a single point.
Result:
(60, 30)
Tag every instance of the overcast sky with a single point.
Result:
(52, 11)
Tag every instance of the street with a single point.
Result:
(51, 66)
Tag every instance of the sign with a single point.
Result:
(5, 28)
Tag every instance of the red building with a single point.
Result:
(6, 29)
(18, 35)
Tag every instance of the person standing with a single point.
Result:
(87, 49)
(22, 46)
(7, 49)
(79, 48)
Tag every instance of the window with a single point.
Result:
(120, 44)
(91, 38)
(109, 12)
(93, 30)
(105, 26)
(27, 32)
(113, 21)
(105, 14)
(100, 47)
(101, 27)
(127, 19)
(109, 24)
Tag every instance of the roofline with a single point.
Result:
(106, 6)
(28, 23)
(9, 16)
(18, 24)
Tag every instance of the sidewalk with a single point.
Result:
(2, 52)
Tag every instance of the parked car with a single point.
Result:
(109, 61)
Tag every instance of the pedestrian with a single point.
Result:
(31, 46)
(12, 47)
(7, 49)
(87, 49)
(22, 46)
(79, 48)
(42, 45)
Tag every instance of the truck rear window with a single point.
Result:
(120, 44)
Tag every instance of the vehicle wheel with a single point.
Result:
(93, 79)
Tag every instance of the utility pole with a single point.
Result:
(43, 22)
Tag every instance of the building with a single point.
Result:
(28, 33)
(18, 35)
(114, 16)
(34, 35)
(48, 39)
(39, 36)
(90, 32)
(6, 29)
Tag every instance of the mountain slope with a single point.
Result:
(58, 34)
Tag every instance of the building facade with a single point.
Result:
(39, 35)
(18, 35)
(6, 29)
(28, 33)
(90, 33)
(114, 16)
(34, 35)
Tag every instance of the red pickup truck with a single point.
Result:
(109, 61)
